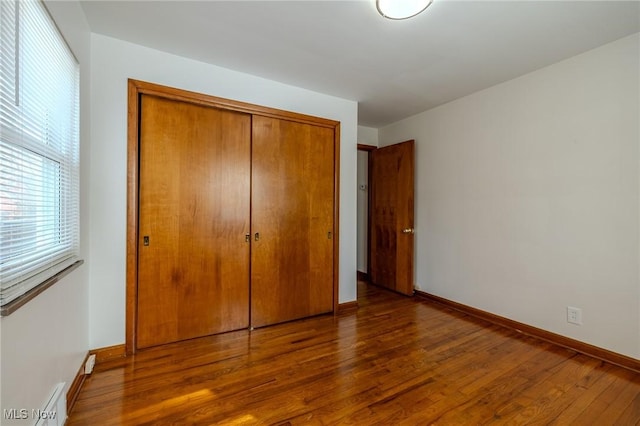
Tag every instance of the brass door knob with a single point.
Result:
(408, 231)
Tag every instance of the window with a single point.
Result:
(39, 154)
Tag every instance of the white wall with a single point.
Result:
(113, 62)
(527, 197)
(45, 341)
(367, 136)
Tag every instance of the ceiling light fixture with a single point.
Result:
(401, 9)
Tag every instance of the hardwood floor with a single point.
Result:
(395, 360)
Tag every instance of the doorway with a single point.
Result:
(363, 233)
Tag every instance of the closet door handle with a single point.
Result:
(256, 237)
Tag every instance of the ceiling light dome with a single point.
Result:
(401, 9)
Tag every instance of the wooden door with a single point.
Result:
(292, 197)
(194, 213)
(391, 213)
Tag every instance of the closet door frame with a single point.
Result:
(138, 88)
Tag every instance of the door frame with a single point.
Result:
(137, 88)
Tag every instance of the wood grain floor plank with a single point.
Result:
(623, 397)
(395, 360)
(630, 415)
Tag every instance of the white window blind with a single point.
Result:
(39, 158)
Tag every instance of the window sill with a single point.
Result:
(14, 305)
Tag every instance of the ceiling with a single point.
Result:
(394, 69)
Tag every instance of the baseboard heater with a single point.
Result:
(55, 411)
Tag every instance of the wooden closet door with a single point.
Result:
(292, 220)
(194, 213)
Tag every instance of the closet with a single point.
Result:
(234, 221)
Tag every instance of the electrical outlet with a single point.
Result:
(574, 315)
